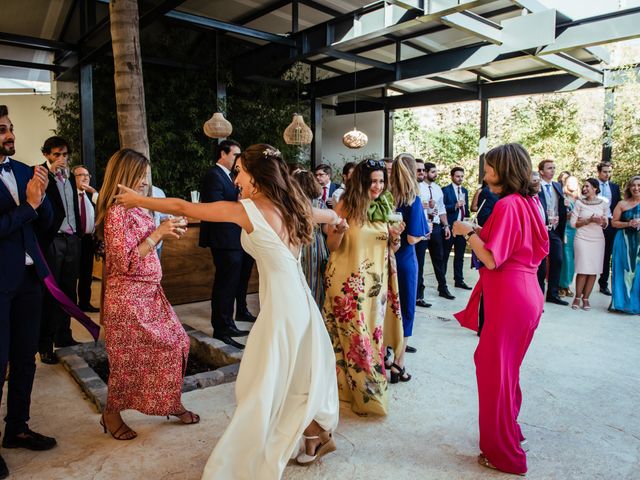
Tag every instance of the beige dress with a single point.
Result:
(588, 245)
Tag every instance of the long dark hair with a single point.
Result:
(356, 201)
(270, 176)
(308, 183)
(512, 165)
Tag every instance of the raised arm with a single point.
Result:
(335, 234)
(231, 212)
(325, 216)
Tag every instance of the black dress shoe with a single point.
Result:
(49, 358)
(605, 291)
(245, 317)
(421, 303)
(4, 470)
(235, 332)
(557, 300)
(445, 293)
(410, 349)
(67, 342)
(463, 285)
(229, 341)
(30, 440)
(89, 308)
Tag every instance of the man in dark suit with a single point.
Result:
(87, 229)
(611, 192)
(323, 174)
(62, 247)
(233, 265)
(456, 201)
(552, 200)
(24, 210)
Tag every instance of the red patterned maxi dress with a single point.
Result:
(146, 344)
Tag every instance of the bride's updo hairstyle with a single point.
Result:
(270, 176)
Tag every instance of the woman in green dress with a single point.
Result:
(571, 194)
(362, 306)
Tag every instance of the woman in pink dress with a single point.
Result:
(145, 341)
(589, 218)
(510, 245)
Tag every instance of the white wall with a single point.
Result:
(31, 124)
(334, 127)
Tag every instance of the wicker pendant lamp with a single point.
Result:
(354, 139)
(217, 126)
(297, 133)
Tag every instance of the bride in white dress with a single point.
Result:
(286, 387)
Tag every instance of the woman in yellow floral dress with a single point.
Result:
(362, 307)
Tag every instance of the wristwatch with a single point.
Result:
(469, 235)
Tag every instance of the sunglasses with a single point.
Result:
(375, 164)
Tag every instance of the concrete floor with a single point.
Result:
(581, 411)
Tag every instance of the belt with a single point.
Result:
(64, 234)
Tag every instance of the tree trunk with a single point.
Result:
(127, 62)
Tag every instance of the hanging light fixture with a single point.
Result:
(217, 126)
(297, 133)
(354, 139)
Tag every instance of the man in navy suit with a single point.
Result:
(62, 249)
(456, 201)
(555, 211)
(24, 210)
(323, 176)
(233, 265)
(611, 192)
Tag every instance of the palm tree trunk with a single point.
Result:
(127, 61)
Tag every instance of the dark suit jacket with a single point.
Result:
(19, 225)
(450, 199)
(486, 201)
(58, 208)
(615, 195)
(214, 187)
(562, 209)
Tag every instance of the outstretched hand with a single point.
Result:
(127, 197)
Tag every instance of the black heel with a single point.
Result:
(400, 376)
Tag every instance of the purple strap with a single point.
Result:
(66, 304)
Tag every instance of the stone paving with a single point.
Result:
(581, 411)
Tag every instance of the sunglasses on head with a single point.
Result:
(375, 164)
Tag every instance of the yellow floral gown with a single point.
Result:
(362, 314)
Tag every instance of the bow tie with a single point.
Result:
(5, 167)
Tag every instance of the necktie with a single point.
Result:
(5, 167)
(324, 194)
(548, 192)
(430, 193)
(83, 214)
(59, 176)
(460, 198)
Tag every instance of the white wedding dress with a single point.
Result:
(287, 376)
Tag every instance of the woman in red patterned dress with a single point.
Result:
(145, 341)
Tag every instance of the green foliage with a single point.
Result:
(626, 134)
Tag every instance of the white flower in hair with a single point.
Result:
(272, 152)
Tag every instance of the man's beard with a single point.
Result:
(7, 152)
(420, 180)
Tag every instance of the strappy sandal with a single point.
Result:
(388, 363)
(400, 376)
(119, 433)
(576, 304)
(192, 419)
(484, 461)
(585, 304)
(327, 445)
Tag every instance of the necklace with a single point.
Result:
(595, 201)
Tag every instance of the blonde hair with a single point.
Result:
(403, 183)
(125, 167)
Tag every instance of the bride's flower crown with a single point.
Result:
(272, 152)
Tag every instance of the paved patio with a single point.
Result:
(580, 380)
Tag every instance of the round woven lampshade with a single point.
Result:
(217, 126)
(355, 139)
(297, 133)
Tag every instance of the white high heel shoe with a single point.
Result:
(327, 445)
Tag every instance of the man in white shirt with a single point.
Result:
(347, 170)
(87, 228)
(436, 214)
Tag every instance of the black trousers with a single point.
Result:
(20, 312)
(86, 270)
(554, 261)
(609, 237)
(436, 252)
(459, 245)
(63, 257)
(230, 283)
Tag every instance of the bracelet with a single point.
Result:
(445, 226)
(151, 242)
(469, 235)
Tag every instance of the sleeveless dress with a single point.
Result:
(588, 244)
(287, 376)
(567, 272)
(625, 274)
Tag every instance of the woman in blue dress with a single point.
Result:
(404, 187)
(571, 194)
(625, 274)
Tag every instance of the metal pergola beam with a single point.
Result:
(266, 10)
(475, 25)
(574, 66)
(35, 43)
(321, 8)
(332, 52)
(32, 65)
